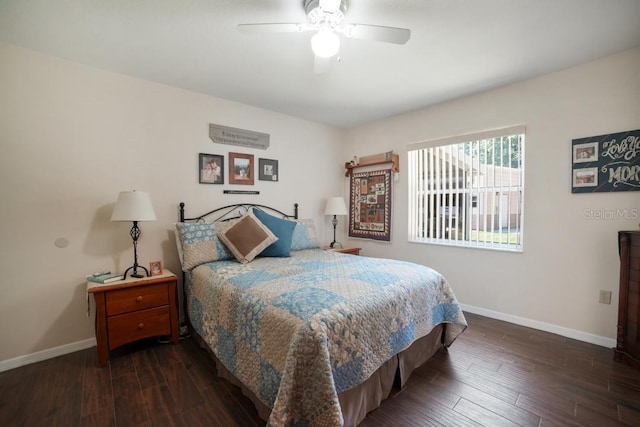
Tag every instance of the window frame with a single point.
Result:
(445, 184)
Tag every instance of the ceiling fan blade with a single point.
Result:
(273, 28)
(321, 65)
(378, 33)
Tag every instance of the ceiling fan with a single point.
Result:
(326, 18)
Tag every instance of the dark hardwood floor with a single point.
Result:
(495, 374)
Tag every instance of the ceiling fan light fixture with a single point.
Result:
(328, 12)
(325, 43)
(330, 6)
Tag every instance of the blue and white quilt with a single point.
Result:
(298, 331)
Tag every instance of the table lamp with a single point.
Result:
(134, 206)
(335, 206)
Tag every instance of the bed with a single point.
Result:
(312, 337)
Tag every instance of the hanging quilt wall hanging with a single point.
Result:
(370, 205)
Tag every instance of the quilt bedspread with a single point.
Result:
(298, 331)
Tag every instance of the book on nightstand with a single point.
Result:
(104, 278)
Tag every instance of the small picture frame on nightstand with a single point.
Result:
(155, 268)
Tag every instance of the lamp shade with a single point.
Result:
(133, 206)
(336, 206)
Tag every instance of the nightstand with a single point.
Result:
(132, 309)
(352, 251)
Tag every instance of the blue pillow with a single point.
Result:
(304, 235)
(282, 228)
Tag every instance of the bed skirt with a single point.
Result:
(358, 401)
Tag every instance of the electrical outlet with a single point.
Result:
(605, 297)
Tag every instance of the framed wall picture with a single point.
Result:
(155, 268)
(585, 153)
(585, 177)
(211, 168)
(606, 163)
(267, 170)
(241, 168)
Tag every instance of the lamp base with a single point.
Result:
(135, 234)
(334, 221)
(135, 273)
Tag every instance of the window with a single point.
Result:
(468, 190)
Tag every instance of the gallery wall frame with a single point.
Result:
(211, 168)
(241, 169)
(268, 170)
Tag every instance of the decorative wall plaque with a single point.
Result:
(606, 163)
(238, 137)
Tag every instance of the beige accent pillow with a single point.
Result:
(247, 238)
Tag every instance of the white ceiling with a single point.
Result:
(457, 47)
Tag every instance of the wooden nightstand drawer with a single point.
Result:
(135, 308)
(138, 298)
(140, 324)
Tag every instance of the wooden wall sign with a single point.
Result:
(239, 137)
(606, 163)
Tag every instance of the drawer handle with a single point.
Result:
(139, 298)
(140, 325)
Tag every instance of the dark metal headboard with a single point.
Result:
(225, 213)
(233, 211)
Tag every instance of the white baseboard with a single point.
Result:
(547, 327)
(39, 356)
(49, 353)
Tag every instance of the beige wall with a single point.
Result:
(567, 256)
(72, 137)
